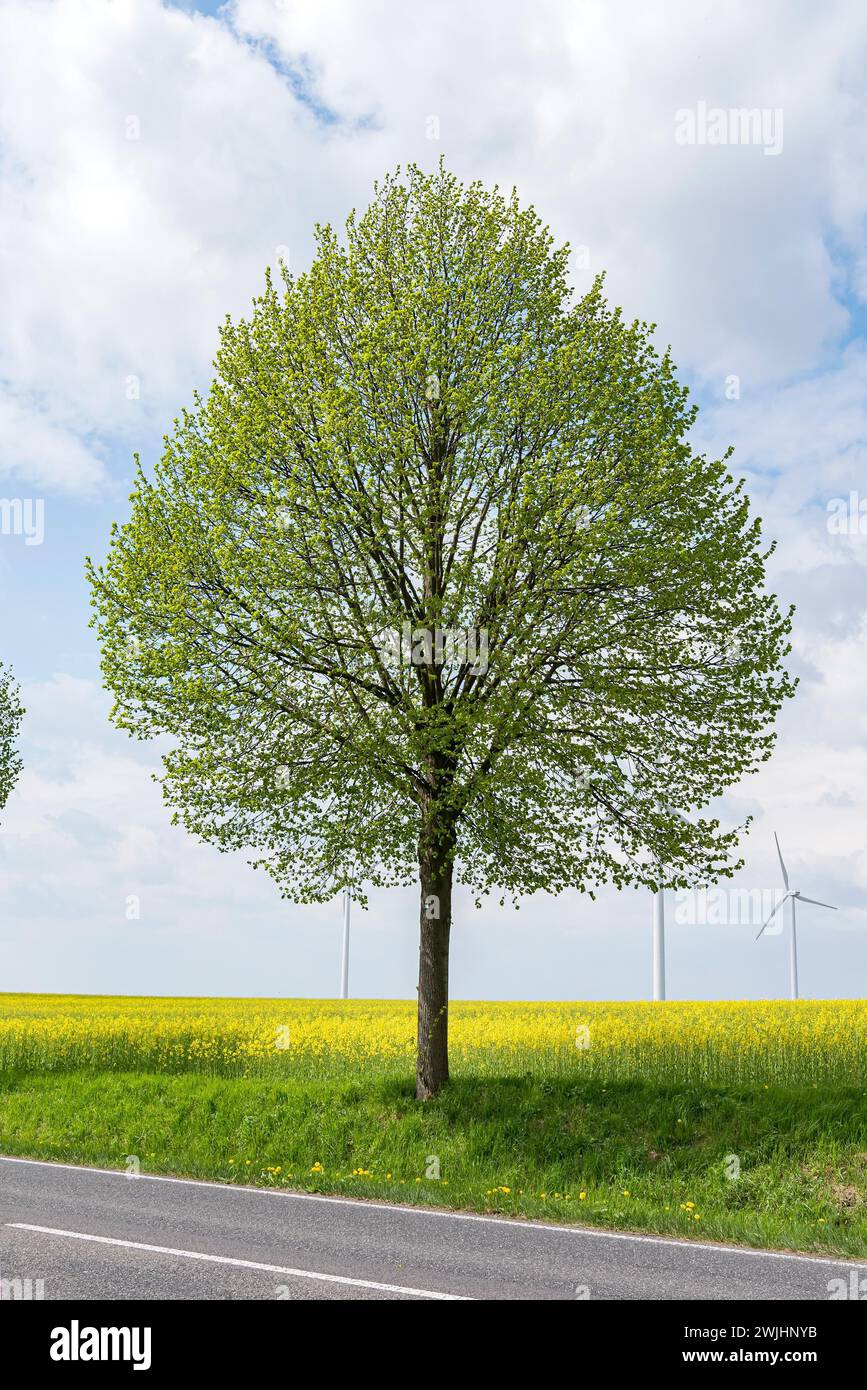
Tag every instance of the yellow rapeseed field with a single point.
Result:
(773, 1041)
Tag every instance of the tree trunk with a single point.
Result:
(436, 866)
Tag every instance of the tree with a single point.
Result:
(10, 719)
(431, 584)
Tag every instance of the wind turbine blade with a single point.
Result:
(774, 913)
(815, 902)
(782, 865)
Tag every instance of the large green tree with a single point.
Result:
(10, 719)
(431, 586)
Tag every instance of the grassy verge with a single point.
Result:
(634, 1155)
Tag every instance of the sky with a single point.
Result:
(155, 157)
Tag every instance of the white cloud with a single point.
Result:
(37, 448)
(801, 445)
(123, 254)
(724, 247)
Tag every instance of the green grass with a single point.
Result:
(640, 1150)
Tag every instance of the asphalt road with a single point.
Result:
(92, 1234)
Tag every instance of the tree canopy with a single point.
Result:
(11, 714)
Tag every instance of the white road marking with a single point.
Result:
(366, 1204)
(242, 1264)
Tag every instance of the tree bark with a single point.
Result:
(436, 868)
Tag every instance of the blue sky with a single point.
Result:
(153, 160)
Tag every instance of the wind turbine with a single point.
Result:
(793, 896)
